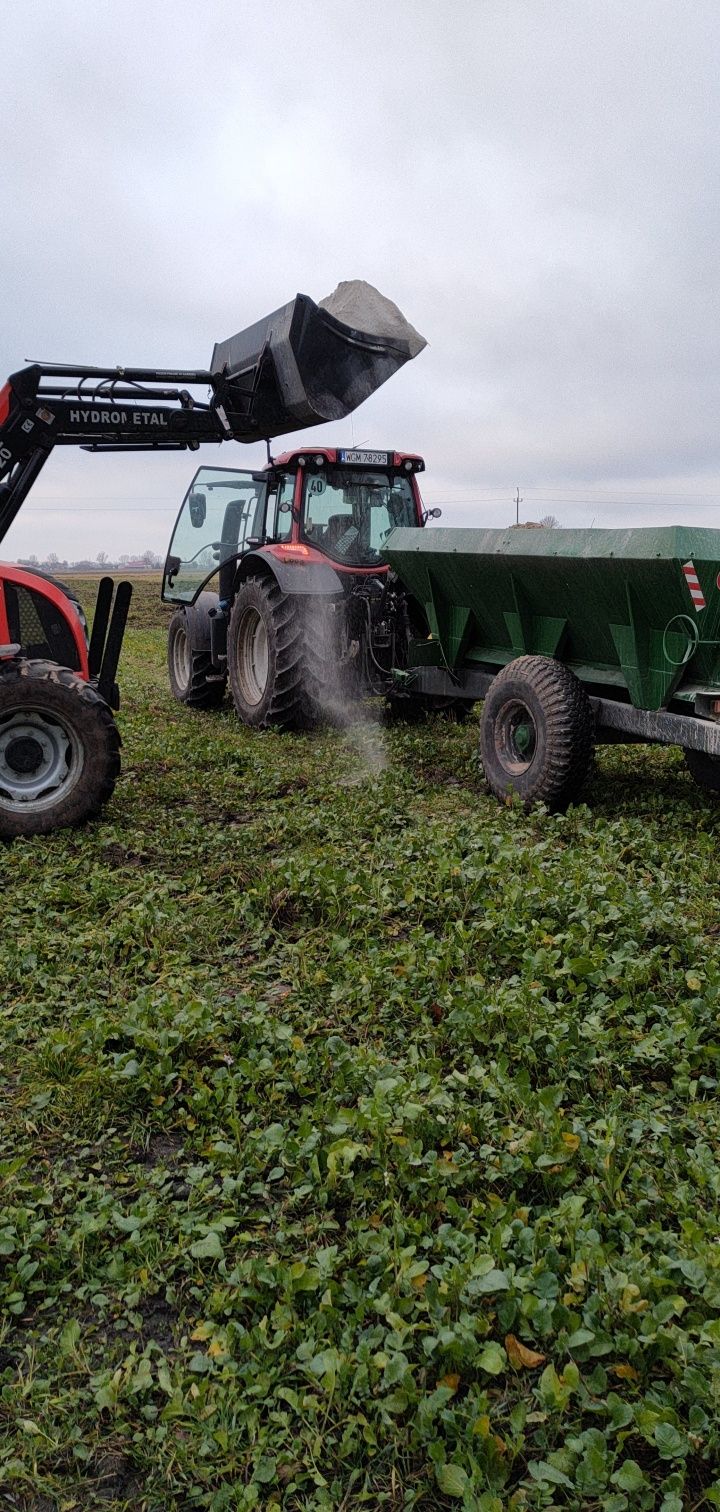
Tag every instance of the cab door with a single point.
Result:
(217, 521)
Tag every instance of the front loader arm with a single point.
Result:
(304, 364)
(102, 409)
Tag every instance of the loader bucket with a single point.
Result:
(308, 363)
(630, 610)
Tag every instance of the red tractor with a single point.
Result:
(304, 364)
(59, 744)
(307, 616)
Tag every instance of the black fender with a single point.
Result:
(198, 620)
(313, 579)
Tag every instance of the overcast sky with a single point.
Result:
(534, 182)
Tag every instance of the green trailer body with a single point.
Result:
(634, 613)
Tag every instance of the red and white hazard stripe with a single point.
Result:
(693, 582)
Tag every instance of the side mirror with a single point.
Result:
(198, 509)
(285, 508)
(431, 514)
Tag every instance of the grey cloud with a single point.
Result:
(533, 184)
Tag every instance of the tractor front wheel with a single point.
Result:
(536, 732)
(266, 658)
(193, 679)
(59, 749)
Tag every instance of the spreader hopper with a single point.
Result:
(631, 609)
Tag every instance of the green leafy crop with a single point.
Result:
(360, 1139)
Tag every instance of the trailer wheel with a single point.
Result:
(266, 658)
(192, 679)
(536, 732)
(704, 770)
(59, 749)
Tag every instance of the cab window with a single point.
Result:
(349, 515)
(219, 514)
(279, 514)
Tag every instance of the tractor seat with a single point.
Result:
(337, 526)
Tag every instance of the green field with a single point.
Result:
(360, 1140)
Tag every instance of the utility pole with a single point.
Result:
(518, 502)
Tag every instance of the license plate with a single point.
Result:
(364, 458)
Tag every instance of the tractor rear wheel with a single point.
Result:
(192, 679)
(59, 749)
(704, 770)
(536, 732)
(267, 661)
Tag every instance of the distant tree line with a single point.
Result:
(151, 562)
(148, 562)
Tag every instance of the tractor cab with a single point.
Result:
(310, 505)
(305, 615)
(349, 504)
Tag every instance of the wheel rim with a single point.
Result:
(516, 737)
(41, 760)
(252, 656)
(181, 657)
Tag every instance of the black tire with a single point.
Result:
(267, 662)
(536, 732)
(329, 685)
(193, 680)
(704, 770)
(59, 749)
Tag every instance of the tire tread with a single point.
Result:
(290, 704)
(201, 694)
(569, 727)
(41, 671)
